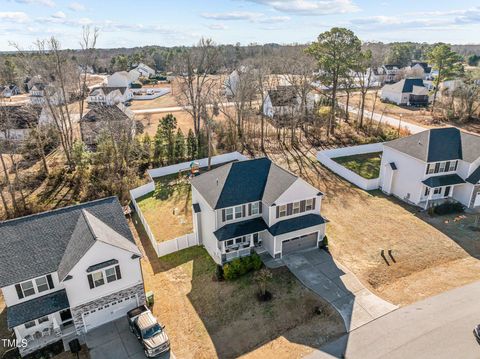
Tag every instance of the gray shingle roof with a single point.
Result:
(296, 223)
(439, 144)
(242, 182)
(36, 308)
(35, 245)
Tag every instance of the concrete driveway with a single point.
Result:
(317, 270)
(114, 340)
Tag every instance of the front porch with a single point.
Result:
(438, 189)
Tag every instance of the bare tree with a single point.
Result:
(195, 67)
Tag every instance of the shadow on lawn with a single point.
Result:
(459, 227)
(238, 323)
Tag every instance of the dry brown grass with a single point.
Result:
(168, 210)
(150, 121)
(362, 224)
(208, 319)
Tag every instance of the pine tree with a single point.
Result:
(179, 146)
(191, 145)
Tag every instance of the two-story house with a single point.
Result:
(255, 204)
(429, 167)
(109, 95)
(67, 271)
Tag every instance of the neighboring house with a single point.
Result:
(9, 91)
(38, 95)
(113, 118)
(255, 205)
(284, 102)
(121, 79)
(231, 83)
(408, 92)
(431, 166)
(134, 75)
(449, 86)
(109, 95)
(145, 70)
(422, 68)
(67, 271)
(389, 72)
(17, 121)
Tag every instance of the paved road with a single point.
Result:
(439, 327)
(392, 121)
(175, 109)
(115, 341)
(317, 270)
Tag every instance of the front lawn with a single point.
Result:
(366, 165)
(211, 319)
(168, 210)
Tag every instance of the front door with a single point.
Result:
(447, 191)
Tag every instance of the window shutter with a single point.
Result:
(437, 167)
(19, 291)
(117, 270)
(302, 205)
(456, 164)
(50, 281)
(289, 209)
(249, 209)
(447, 166)
(428, 168)
(244, 210)
(260, 207)
(223, 215)
(278, 211)
(313, 203)
(90, 281)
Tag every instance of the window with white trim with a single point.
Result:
(309, 204)
(282, 210)
(238, 212)
(437, 190)
(30, 324)
(27, 288)
(255, 208)
(111, 274)
(98, 279)
(43, 320)
(228, 214)
(42, 284)
(296, 208)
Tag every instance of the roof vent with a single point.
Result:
(217, 181)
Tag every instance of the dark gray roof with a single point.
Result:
(238, 229)
(283, 96)
(19, 117)
(439, 144)
(35, 245)
(445, 180)
(243, 182)
(405, 85)
(296, 223)
(36, 308)
(474, 178)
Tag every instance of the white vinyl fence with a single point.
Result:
(190, 239)
(325, 158)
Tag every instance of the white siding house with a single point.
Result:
(407, 92)
(430, 167)
(255, 205)
(67, 271)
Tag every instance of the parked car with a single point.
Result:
(476, 332)
(149, 332)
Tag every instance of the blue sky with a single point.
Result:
(182, 22)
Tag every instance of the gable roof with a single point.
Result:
(283, 96)
(100, 112)
(439, 144)
(405, 85)
(19, 117)
(107, 90)
(88, 230)
(35, 245)
(474, 178)
(243, 182)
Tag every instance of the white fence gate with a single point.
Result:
(325, 158)
(190, 239)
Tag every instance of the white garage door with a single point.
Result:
(109, 312)
(477, 200)
(299, 243)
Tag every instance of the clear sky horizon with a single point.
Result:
(183, 22)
